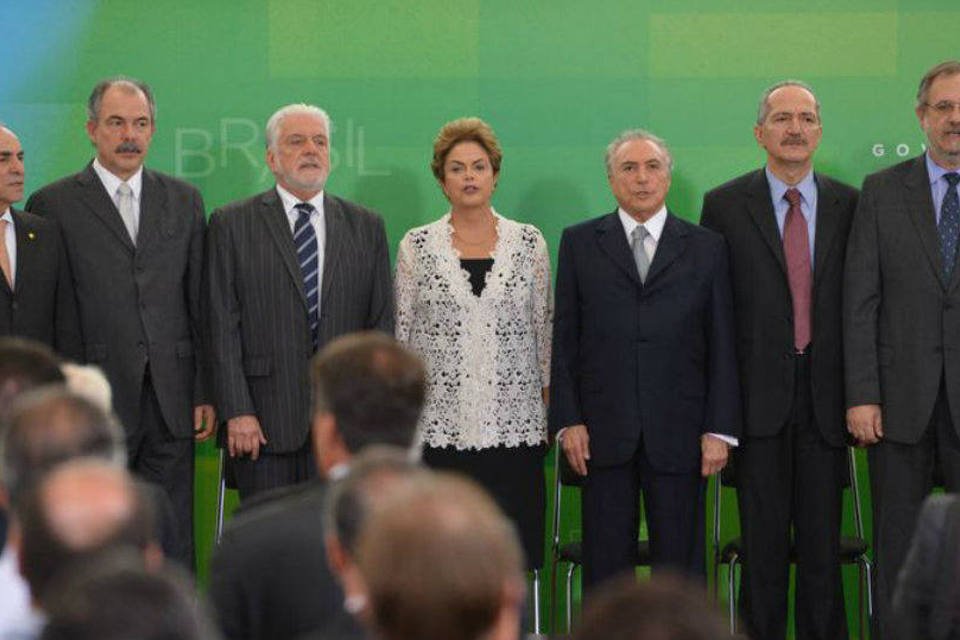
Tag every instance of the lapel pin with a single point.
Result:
(31, 235)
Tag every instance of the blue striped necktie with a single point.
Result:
(305, 240)
(949, 227)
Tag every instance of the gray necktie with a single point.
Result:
(637, 237)
(128, 211)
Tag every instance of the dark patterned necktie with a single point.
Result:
(949, 225)
(796, 250)
(305, 240)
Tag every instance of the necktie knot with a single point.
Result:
(952, 178)
(792, 196)
(639, 233)
(304, 209)
(124, 190)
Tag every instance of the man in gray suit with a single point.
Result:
(134, 240)
(902, 329)
(287, 271)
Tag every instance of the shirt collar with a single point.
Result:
(935, 171)
(290, 201)
(7, 215)
(807, 187)
(653, 225)
(111, 182)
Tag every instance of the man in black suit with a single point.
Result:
(269, 577)
(786, 266)
(287, 271)
(902, 329)
(644, 378)
(134, 239)
(36, 294)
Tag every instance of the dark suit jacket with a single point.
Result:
(652, 360)
(257, 310)
(928, 588)
(42, 306)
(269, 577)
(137, 305)
(901, 320)
(741, 210)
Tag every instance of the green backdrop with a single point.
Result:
(556, 80)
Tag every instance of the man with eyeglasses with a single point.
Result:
(902, 329)
(786, 227)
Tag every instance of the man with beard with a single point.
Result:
(902, 330)
(786, 227)
(134, 240)
(287, 271)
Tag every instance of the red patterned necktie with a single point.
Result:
(796, 249)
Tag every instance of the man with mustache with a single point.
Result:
(36, 295)
(902, 330)
(786, 227)
(134, 240)
(287, 271)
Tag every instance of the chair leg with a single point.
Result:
(869, 569)
(731, 592)
(554, 618)
(536, 602)
(570, 596)
(860, 597)
(221, 496)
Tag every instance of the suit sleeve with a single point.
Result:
(222, 311)
(381, 297)
(201, 385)
(68, 337)
(861, 302)
(564, 371)
(723, 399)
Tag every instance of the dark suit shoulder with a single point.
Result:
(587, 227)
(244, 206)
(32, 220)
(896, 172)
(168, 182)
(353, 208)
(734, 186)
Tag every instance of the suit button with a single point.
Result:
(14, 305)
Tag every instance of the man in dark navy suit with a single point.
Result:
(645, 393)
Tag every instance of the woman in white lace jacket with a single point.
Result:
(473, 299)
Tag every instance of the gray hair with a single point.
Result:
(947, 67)
(763, 109)
(635, 134)
(273, 124)
(130, 85)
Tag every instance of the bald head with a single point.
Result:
(80, 508)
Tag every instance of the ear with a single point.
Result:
(758, 133)
(91, 129)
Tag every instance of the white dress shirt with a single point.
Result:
(10, 240)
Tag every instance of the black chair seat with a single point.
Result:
(851, 550)
(573, 552)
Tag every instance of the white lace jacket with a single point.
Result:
(487, 358)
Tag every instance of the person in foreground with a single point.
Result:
(644, 376)
(269, 577)
(473, 300)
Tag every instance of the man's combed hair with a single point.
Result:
(374, 388)
(130, 84)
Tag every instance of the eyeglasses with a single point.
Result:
(944, 107)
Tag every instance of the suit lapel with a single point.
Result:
(94, 196)
(919, 204)
(613, 242)
(271, 210)
(27, 252)
(761, 212)
(333, 224)
(671, 245)
(828, 219)
(153, 210)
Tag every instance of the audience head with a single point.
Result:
(121, 121)
(25, 364)
(368, 389)
(663, 608)
(48, 426)
(298, 148)
(114, 597)
(79, 509)
(440, 561)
